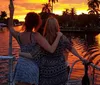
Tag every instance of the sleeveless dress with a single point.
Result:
(53, 69)
(26, 69)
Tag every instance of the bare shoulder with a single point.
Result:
(16, 34)
(37, 34)
(64, 37)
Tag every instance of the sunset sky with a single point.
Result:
(24, 6)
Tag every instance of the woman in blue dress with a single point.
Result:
(53, 67)
(26, 70)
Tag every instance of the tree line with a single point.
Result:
(69, 18)
(4, 18)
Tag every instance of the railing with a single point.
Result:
(10, 73)
(78, 82)
(10, 63)
(81, 28)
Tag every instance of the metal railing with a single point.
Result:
(77, 82)
(10, 73)
(10, 63)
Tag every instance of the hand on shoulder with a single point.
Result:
(59, 34)
(37, 34)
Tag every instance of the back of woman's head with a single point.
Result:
(50, 29)
(32, 20)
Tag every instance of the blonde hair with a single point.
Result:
(50, 29)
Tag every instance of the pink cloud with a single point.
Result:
(72, 1)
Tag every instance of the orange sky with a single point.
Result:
(24, 6)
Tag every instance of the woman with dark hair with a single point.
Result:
(26, 70)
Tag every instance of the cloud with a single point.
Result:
(69, 6)
(24, 6)
(72, 1)
(30, 6)
(3, 5)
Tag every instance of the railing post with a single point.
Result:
(10, 54)
(10, 71)
(10, 45)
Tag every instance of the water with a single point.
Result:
(82, 44)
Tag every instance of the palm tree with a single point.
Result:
(66, 11)
(3, 14)
(94, 5)
(91, 12)
(46, 8)
(73, 12)
(53, 1)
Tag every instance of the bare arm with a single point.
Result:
(69, 46)
(44, 43)
(73, 50)
(26, 55)
(10, 22)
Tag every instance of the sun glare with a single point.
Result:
(36, 6)
(81, 11)
(20, 17)
(59, 12)
(98, 39)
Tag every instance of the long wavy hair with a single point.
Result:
(50, 29)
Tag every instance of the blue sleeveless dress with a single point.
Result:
(53, 69)
(26, 69)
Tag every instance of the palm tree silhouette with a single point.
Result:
(72, 12)
(46, 8)
(53, 1)
(94, 5)
(91, 12)
(66, 12)
(3, 14)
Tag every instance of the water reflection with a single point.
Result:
(88, 46)
(98, 39)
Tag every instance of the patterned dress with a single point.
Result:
(53, 68)
(27, 70)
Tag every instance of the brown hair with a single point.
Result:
(50, 29)
(32, 20)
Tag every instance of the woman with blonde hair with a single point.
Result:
(53, 68)
(50, 29)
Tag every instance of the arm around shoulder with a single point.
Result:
(45, 44)
(26, 55)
